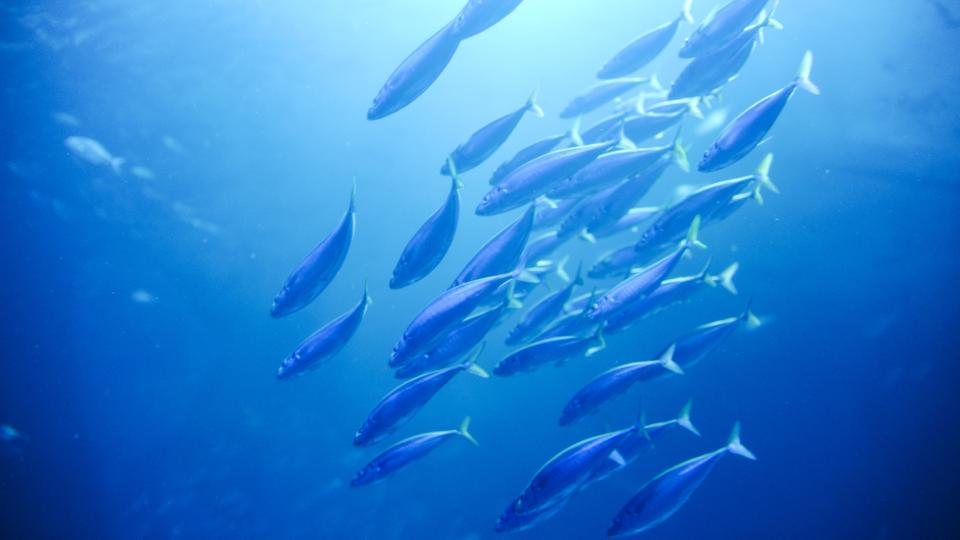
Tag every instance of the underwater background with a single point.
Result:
(139, 356)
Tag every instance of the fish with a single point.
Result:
(644, 49)
(614, 382)
(706, 74)
(693, 347)
(527, 153)
(512, 522)
(488, 139)
(672, 291)
(9, 433)
(432, 240)
(550, 212)
(632, 220)
(317, 270)
(640, 443)
(403, 402)
(534, 178)
(736, 202)
(416, 73)
(479, 15)
(455, 344)
(501, 253)
(543, 313)
(748, 130)
(93, 152)
(326, 342)
(648, 124)
(607, 128)
(577, 324)
(635, 287)
(610, 210)
(617, 262)
(602, 93)
(667, 492)
(542, 247)
(720, 26)
(408, 451)
(443, 313)
(670, 106)
(554, 349)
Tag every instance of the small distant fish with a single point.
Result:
(555, 349)
(644, 49)
(698, 344)
(455, 344)
(632, 220)
(415, 74)
(749, 129)
(720, 26)
(431, 242)
(93, 152)
(479, 15)
(529, 152)
(661, 497)
(607, 128)
(317, 270)
(142, 172)
(501, 253)
(173, 145)
(603, 93)
(66, 119)
(488, 139)
(9, 433)
(543, 313)
(326, 342)
(141, 296)
(404, 401)
(406, 452)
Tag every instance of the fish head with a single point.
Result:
(280, 305)
(491, 198)
(382, 105)
(365, 476)
(364, 435)
(570, 412)
(288, 367)
(709, 158)
(399, 278)
(616, 528)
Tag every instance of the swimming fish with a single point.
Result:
(602, 93)
(431, 241)
(529, 152)
(630, 221)
(534, 178)
(632, 289)
(443, 313)
(455, 344)
(482, 144)
(542, 314)
(479, 15)
(667, 492)
(644, 49)
(551, 212)
(406, 452)
(318, 269)
(749, 129)
(416, 73)
(9, 433)
(404, 401)
(649, 124)
(554, 349)
(326, 342)
(612, 383)
(91, 151)
(720, 26)
(617, 262)
(698, 344)
(541, 247)
(607, 128)
(501, 253)
(610, 210)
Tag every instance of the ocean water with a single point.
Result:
(138, 354)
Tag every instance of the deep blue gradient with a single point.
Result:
(163, 418)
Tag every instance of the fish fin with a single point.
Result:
(452, 168)
(367, 299)
(748, 317)
(680, 153)
(617, 458)
(533, 106)
(478, 371)
(666, 360)
(686, 14)
(353, 194)
(707, 278)
(574, 132)
(725, 278)
(464, 431)
(578, 279)
(512, 302)
(585, 234)
(803, 75)
(623, 141)
(601, 345)
(561, 269)
(527, 276)
(768, 19)
(117, 165)
(641, 422)
(693, 108)
(654, 83)
(762, 174)
(549, 202)
(692, 234)
(683, 419)
(470, 364)
(734, 446)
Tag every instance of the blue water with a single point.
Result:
(139, 357)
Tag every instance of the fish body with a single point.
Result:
(721, 26)
(542, 314)
(541, 247)
(430, 243)
(606, 129)
(632, 220)
(550, 212)
(644, 126)
(488, 139)
(619, 203)
(644, 49)
(529, 152)
(698, 344)
(555, 349)
(93, 152)
(501, 253)
(615, 263)
(455, 344)
(479, 15)
(601, 94)
(325, 343)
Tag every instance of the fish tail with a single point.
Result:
(464, 431)
(578, 278)
(686, 14)
(693, 233)
(367, 299)
(666, 360)
(769, 21)
(680, 153)
(512, 302)
(574, 133)
(803, 75)
(561, 269)
(748, 316)
(452, 169)
(725, 278)
(683, 419)
(654, 83)
(734, 446)
(470, 364)
(353, 194)
(117, 165)
(641, 423)
(533, 106)
(601, 343)
(762, 175)
(693, 108)
(587, 236)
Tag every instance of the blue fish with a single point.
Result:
(478, 15)
(542, 314)
(534, 178)
(632, 220)
(736, 202)
(617, 262)
(527, 153)
(406, 452)
(431, 242)
(326, 342)
(607, 128)
(661, 497)
(541, 247)
(404, 401)
(551, 212)
(576, 324)
(640, 443)
(749, 129)
(601, 94)
(443, 313)
(455, 344)
(644, 49)
(488, 139)
(614, 382)
(416, 73)
(632, 289)
(318, 269)
(501, 253)
(622, 200)
(648, 124)
(721, 26)
(555, 349)
(697, 345)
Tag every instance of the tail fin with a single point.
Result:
(117, 165)
(574, 132)
(685, 14)
(641, 423)
(654, 83)
(548, 201)
(680, 153)
(623, 141)
(464, 431)
(762, 174)
(666, 360)
(734, 446)
(470, 364)
(533, 106)
(683, 419)
(452, 167)
(692, 233)
(561, 269)
(578, 278)
(587, 236)
(513, 303)
(769, 21)
(803, 75)
(725, 278)
(693, 108)
(353, 195)
(748, 317)
(601, 343)
(367, 299)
